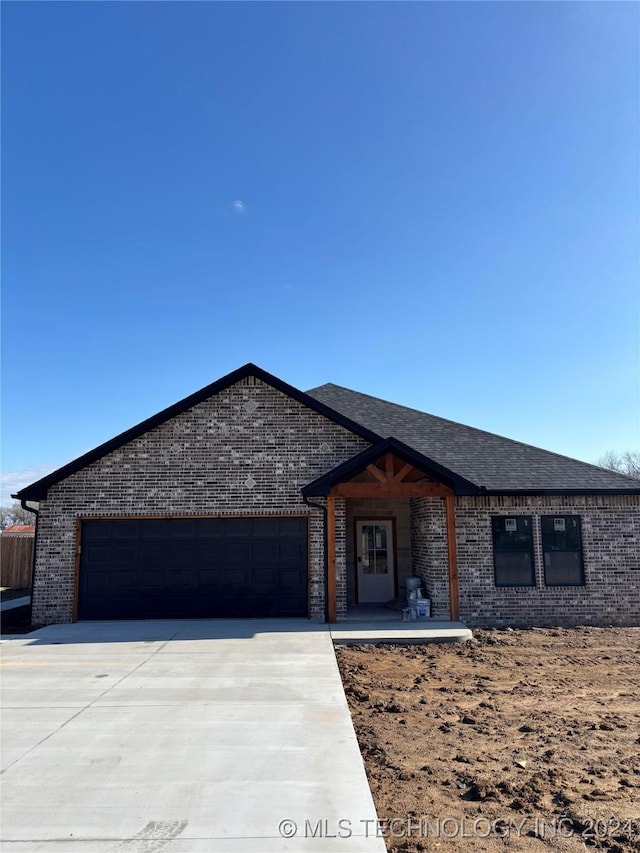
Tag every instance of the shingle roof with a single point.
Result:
(499, 464)
(486, 460)
(20, 528)
(322, 485)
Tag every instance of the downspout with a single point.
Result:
(326, 554)
(36, 512)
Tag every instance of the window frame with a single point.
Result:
(534, 583)
(580, 551)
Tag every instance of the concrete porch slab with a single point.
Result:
(395, 631)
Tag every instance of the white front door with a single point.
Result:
(374, 552)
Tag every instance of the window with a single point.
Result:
(562, 550)
(513, 551)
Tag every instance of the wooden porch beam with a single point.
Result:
(377, 473)
(330, 591)
(402, 473)
(388, 465)
(389, 490)
(452, 553)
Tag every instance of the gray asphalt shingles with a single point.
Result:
(486, 459)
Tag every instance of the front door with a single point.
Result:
(374, 547)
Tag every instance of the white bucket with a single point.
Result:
(413, 583)
(423, 608)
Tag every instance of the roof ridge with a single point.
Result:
(633, 480)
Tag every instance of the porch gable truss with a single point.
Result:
(390, 469)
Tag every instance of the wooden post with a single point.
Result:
(452, 553)
(330, 591)
(76, 571)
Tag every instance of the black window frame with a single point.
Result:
(579, 551)
(531, 551)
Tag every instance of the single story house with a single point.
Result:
(252, 498)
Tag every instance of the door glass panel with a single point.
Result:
(366, 535)
(374, 557)
(375, 560)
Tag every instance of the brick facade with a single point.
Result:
(248, 449)
(611, 551)
(429, 552)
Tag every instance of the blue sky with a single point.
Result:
(437, 204)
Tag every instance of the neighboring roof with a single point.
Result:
(38, 491)
(20, 528)
(493, 463)
(359, 462)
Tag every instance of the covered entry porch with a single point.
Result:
(390, 514)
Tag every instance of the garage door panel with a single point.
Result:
(155, 528)
(266, 527)
(150, 579)
(122, 554)
(98, 530)
(125, 529)
(183, 528)
(211, 580)
(178, 579)
(181, 553)
(238, 578)
(99, 553)
(123, 580)
(208, 553)
(193, 568)
(289, 605)
(97, 582)
(292, 552)
(150, 554)
(237, 553)
(237, 528)
(210, 528)
(264, 552)
(290, 579)
(269, 578)
(293, 528)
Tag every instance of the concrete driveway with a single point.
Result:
(180, 737)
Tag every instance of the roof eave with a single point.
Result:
(560, 492)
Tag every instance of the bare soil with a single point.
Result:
(521, 740)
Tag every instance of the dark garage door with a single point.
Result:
(193, 568)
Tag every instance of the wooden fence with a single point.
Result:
(16, 555)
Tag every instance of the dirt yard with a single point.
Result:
(522, 740)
